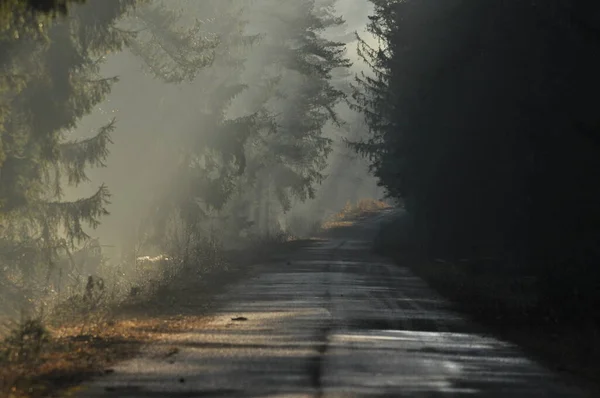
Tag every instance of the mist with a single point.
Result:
(288, 196)
(181, 127)
(154, 118)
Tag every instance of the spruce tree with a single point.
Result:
(205, 48)
(51, 81)
(172, 48)
(305, 61)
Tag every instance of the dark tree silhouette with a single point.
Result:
(483, 120)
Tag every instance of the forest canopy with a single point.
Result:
(482, 121)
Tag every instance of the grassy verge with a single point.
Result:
(40, 366)
(507, 305)
(43, 359)
(353, 212)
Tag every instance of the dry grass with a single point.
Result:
(353, 212)
(52, 359)
(64, 360)
(68, 357)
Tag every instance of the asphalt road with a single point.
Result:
(333, 320)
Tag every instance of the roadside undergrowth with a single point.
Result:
(38, 361)
(505, 301)
(43, 356)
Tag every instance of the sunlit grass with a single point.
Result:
(352, 212)
(65, 356)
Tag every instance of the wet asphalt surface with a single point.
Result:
(333, 320)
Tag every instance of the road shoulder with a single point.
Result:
(503, 306)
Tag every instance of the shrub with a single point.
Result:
(25, 342)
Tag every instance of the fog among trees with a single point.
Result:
(180, 128)
(129, 126)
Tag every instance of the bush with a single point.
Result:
(26, 342)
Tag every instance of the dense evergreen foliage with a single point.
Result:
(300, 65)
(13, 12)
(483, 121)
(50, 80)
